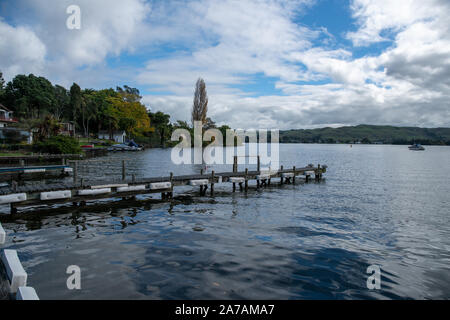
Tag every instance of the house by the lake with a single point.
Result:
(117, 136)
(6, 117)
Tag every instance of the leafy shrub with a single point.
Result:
(58, 145)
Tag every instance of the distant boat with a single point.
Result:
(416, 147)
(129, 146)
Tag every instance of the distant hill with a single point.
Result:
(368, 134)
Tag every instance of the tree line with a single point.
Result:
(43, 106)
(368, 134)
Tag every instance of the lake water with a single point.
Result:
(379, 205)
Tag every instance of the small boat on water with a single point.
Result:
(129, 146)
(416, 147)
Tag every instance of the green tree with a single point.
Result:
(2, 86)
(48, 127)
(62, 102)
(127, 124)
(76, 100)
(161, 122)
(30, 96)
(129, 94)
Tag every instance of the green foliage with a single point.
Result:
(2, 85)
(163, 128)
(58, 145)
(29, 96)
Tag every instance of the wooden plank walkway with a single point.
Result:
(33, 172)
(39, 158)
(37, 193)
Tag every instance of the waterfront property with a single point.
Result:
(117, 136)
(6, 116)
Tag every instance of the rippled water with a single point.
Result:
(379, 205)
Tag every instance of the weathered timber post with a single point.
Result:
(246, 179)
(235, 164)
(14, 185)
(75, 171)
(293, 178)
(212, 183)
(201, 172)
(171, 185)
(13, 209)
(123, 170)
(259, 165)
(234, 186)
(281, 180)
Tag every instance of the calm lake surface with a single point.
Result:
(379, 205)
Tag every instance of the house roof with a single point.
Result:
(114, 132)
(4, 108)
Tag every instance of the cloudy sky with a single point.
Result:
(266, 63)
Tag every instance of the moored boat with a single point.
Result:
(416, 147)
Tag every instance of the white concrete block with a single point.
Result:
(287, 175)
(26, 293)
(93, 192)
(110, 186)
(33, 170)
(237, 179)
(14, 270)
(160, 185)
(55, 195)
(68, 169)
(220, 179)
(131, 188)
(201, 182)
(12, 198)
(2, 235)
(264, 176)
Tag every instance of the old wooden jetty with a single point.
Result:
(78, 191)
(39, 159)
(18, 174)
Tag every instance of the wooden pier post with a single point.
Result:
(259, 165)
(75, 171)
(124, 174)
(234, 186)
(171, 185)
(281, 179)
(293, 178)
(246, 179)
(235, 164)
(212, 183)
